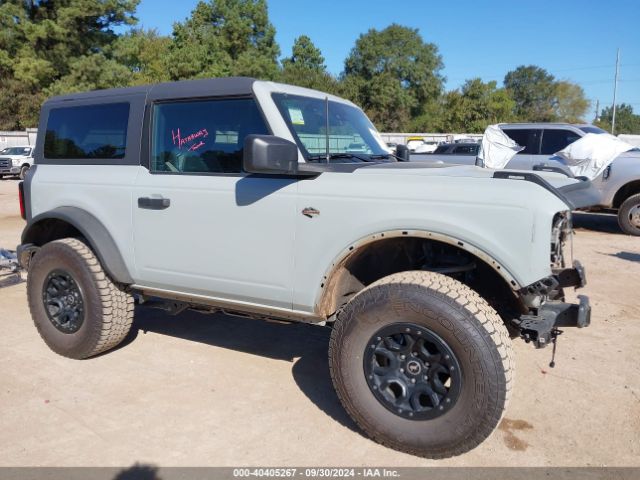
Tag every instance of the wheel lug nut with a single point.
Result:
(451, 368)
(413, 380)
(448, 400)
(447, 357)
(426, 377)
(378, 338)
(402, 370)
(440, 407)
(402, 357)
(411, 414)
(408, 330)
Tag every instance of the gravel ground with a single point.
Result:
(196, 390)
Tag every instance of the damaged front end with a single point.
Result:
(545, 299)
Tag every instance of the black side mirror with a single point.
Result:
(402, 152)
(268, 154)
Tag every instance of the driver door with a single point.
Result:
(200, 224)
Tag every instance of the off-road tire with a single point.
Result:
(471, 328)
(23, 171)
(108, 310)
(624, 219)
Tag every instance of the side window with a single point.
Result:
(555, 140)
(203, 136)
(441, 149)
(92, 131)
(466, 150)
(525, 137)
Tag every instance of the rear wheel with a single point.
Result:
(422, 364)
(77, 309)
(629, 215)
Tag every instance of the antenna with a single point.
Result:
(615, 90)
(326, 108)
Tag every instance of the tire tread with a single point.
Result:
(496, 333)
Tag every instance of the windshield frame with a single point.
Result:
(374, 157)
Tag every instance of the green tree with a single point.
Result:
(225, 37)
(306, 68)
(51, 47)
(144, 53)
(305, 54)
(533, 89)
(393, 74)
(571, 103)
(626, 120)
(475, 106)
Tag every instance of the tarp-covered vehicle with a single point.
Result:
(587, 151)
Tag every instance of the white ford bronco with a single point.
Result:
(272, 201)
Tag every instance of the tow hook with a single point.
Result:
(543, 328)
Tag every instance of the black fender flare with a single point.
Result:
(95, 233)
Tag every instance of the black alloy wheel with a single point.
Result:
(412, 371)
(63, 301)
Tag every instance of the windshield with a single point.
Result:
(592, 129)
(17, 151)
(351, 135)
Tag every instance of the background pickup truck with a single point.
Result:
(15, 161)
(618, 185)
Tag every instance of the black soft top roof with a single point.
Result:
(228, 86)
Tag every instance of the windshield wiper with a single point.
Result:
(315, 158)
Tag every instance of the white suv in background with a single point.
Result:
(15, 161)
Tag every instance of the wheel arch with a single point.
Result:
(64, 222)
(624, 192)
(336, 279)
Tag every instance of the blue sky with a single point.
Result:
(573, 40)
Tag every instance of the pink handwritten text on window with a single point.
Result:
(181, 141)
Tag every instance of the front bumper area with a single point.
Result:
(10, 171)
(553, 315)
(540, 325)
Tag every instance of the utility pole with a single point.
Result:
(597, 116)
(615, 90)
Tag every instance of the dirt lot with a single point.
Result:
(214, 390)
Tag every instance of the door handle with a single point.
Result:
(153, 203)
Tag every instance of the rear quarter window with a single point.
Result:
(87, 132)
(525, 137)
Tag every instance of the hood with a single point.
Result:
(557, 180)
(630, 155)
(14, 157)
(573, 192)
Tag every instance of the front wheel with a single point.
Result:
(629, 215)
(23, 171)
(422, 364)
